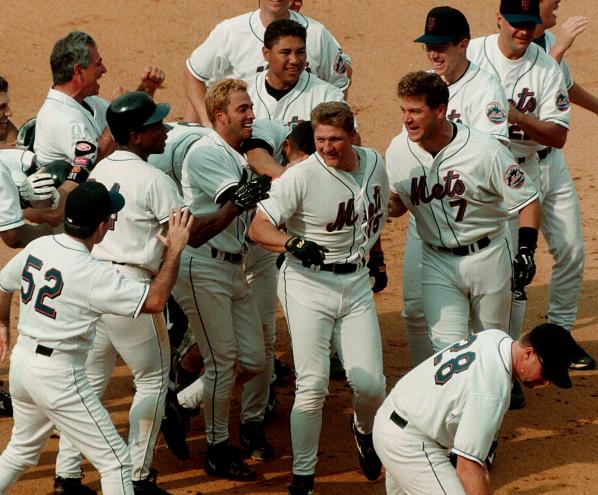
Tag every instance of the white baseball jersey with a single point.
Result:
(338, 223)
(16, 159)
(11, 215)
(273, 133)
(534, 84)
(211, 167)
(463, 193)
(62, 122)
(149, 196)
(181, 136)
(459, 396)
(295, 106)
(234, 49)
(549, 40)
(478, 100)
(64, 291)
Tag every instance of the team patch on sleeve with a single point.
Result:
(84, 148)
(495, 113)
(562, 100)
(340, 64)
(514, 177)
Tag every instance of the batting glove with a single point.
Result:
(37, 187)
(377, 269)
(524, 267)
(248, 194)
(309, 252)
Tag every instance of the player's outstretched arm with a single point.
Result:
(543, 132)
(5, 300)
(579, 96)
(196, 93)
(473, 477)
(179, 227)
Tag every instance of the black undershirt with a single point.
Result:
(434, 153)
(278, 94)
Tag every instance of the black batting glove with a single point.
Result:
(524, 266)
(309, 252)
(377, 269)
(248, 194)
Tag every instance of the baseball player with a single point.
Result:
(8, 131)
(560, 205)
(323, 284)
(476, 99)
(538, 122)
(72, 119)
(286, 91)
(64, 292)
(234, 49)
(213, 291)
(131, 245)
(455, 402)
(460, 185)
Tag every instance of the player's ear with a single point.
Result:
(441, 111)
(266, 54)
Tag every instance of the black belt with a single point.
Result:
(43, 350)
(230, 257)
(398, 420)
(544, 153)
(341, 268)
(465, 250)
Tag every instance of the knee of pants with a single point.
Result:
(367, 386)
(311, 391)
(413, 310)
(253, 361)
(571, 253)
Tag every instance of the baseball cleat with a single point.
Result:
(302, 485)
(254, 442)
(5, 403)
(517, 397)
(71, 486)
(224, 460)
(368, 459)
(174, 427)
(584, 362)
(149, 485)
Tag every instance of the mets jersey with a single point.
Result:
(149, 196)
(534, 84)
(234, 50)
(64, 290)
(459, 397)
(11, 215)
(463, 193)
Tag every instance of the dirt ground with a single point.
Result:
(550, 445)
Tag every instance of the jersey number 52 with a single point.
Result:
(455, 365)
(50, 291)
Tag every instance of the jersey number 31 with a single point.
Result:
(455, 365)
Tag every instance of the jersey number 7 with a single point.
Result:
(457, 364)
(47, 291)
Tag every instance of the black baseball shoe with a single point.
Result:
(302, 485)
(174, 427)
(254, 442)
(149, 485)
(282, 371)
(583, 362)
(71, 486)
(224, 460)
(368, 459)
(517, 397)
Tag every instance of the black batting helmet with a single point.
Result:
(131, 112)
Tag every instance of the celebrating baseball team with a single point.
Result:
(171, 244)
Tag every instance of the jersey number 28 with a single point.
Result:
(50, 291)
(458, 364)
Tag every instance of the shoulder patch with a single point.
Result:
(514, 177)
(562, 100)
(495, 113)
(84, 148)
(340, 64)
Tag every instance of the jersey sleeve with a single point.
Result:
(553, 105)
(209, 61)
(481, 419)
(10, 275)
(11, 214)
(509, 179)
(273, 132)
(17, 159)
(488, 110)
(286, 194)
(113, 293)
(162, 196)
(392, 165)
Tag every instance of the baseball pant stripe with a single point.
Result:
(203, 328)
(432, 467)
